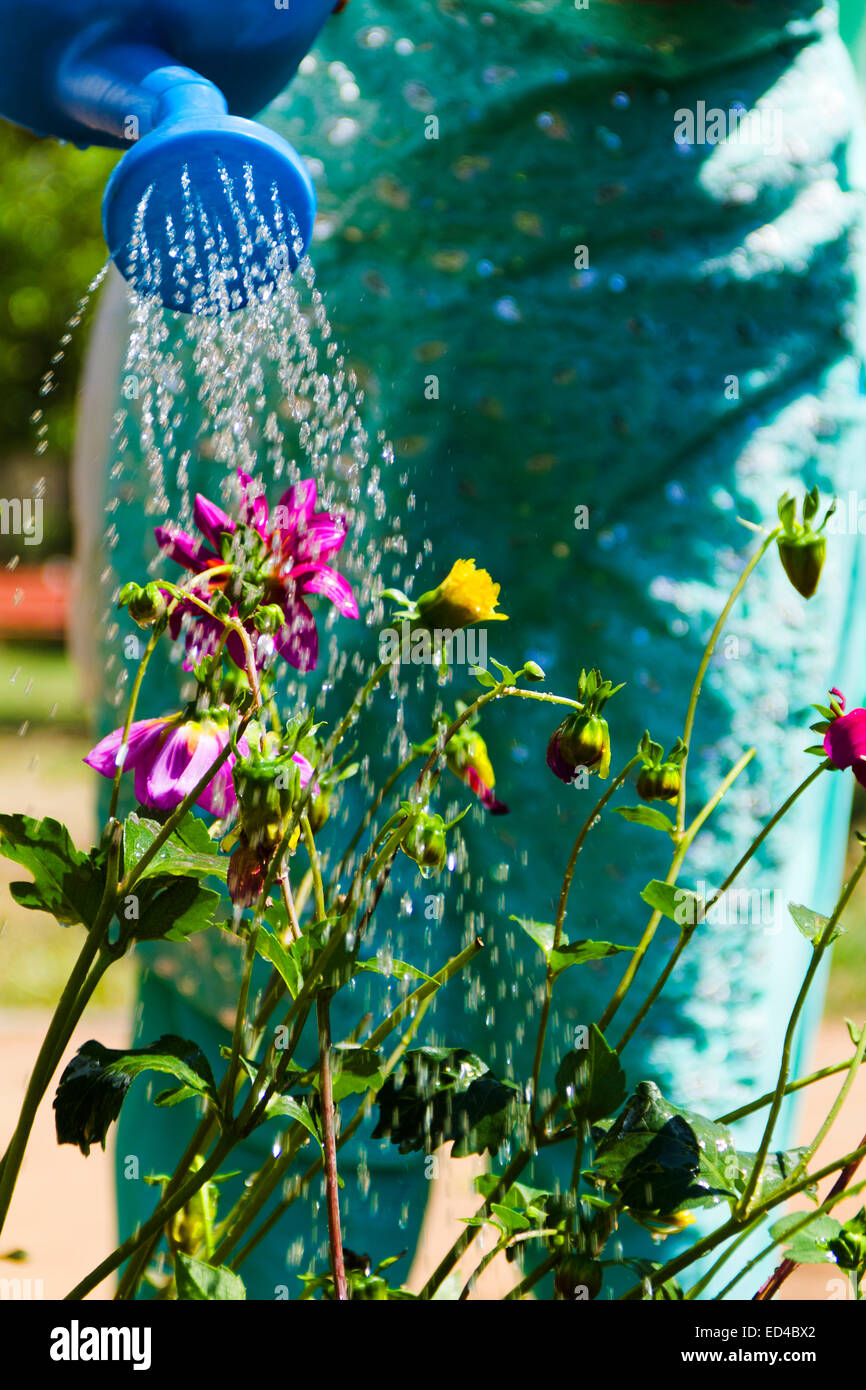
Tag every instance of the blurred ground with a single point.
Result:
(63, 1213)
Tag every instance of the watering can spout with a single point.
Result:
(207, 207)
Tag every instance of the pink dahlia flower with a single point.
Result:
(289, 554)
(169, 757)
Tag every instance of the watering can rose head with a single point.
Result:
(272, 561)
(169, 757)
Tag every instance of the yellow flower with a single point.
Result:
(466, 595)
(668, 1224)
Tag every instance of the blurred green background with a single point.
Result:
(51, 247)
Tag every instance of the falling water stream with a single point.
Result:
(265, 388)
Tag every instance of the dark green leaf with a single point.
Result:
(438, 1094)
(354, 1069)
(579, 952)
(568, 952)
(66, 883)
(294, 1108)
(93, 1086)
(206, 1283)
(591, 1080)
(170, 908)
(269, 947)
(662, 1157)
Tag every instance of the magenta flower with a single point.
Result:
(845, 740)
(169, 757)
(286, 553)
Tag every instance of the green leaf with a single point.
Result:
(292, 1108)
(483, 677)
(395, 969)
(189, 850)
(811, 924)
(509, 1219)
(678, 904)
(171, 909)
(579, 952)
(505, 672)
(778, 1167)
(437, 1094)
(269, 947)
(542, 933)
(354, 1069)
(591, 1080)
(568, 952)
(93, 1086)
(66, 883)
(663, 1158)
(647, 815)
(811, 1244)
(206, 1283)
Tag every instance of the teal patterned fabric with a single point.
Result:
(666, 335)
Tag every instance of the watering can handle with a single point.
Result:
(125, 90)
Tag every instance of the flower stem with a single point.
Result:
(837, 1191)
(688, 728)
(329, 1144)
(792, 1086)
(818, 950)
(679, 855)
(155, 636)
(560, 919)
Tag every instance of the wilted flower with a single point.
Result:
(468, 759)
(246, 874)
(266, 790)
(284, 558)
(169, 756)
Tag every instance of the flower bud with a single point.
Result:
(148, 606)
(319, 811)
(576, 1274)
(533, 672)
(660, 783)
(803, 560)
(425, 843)
(267, 790)
(581, 741)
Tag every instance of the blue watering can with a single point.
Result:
(159, 78)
